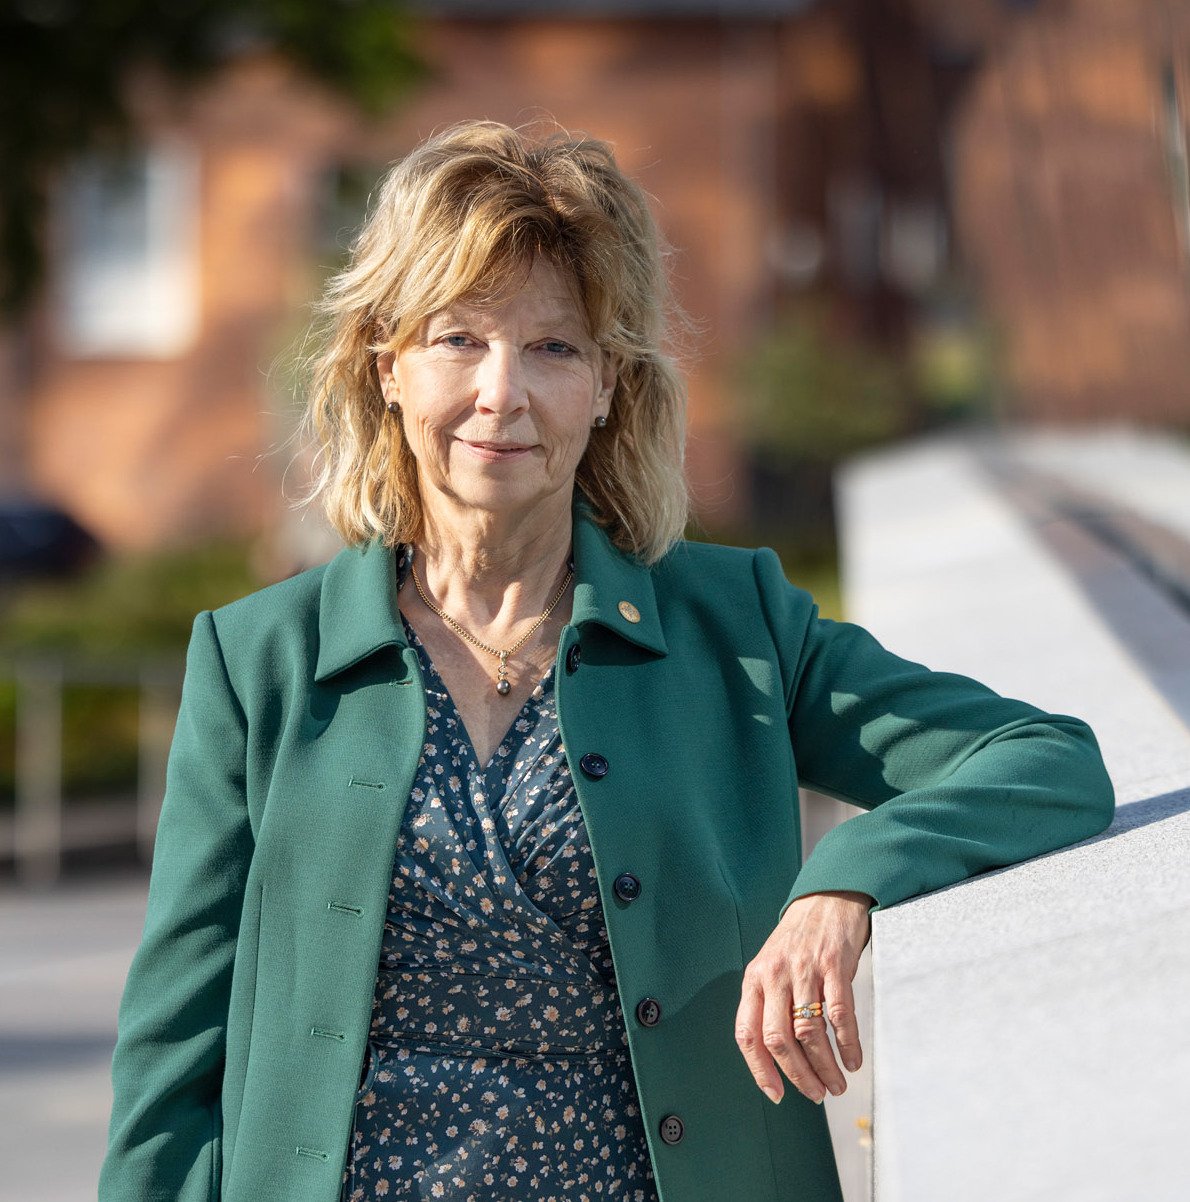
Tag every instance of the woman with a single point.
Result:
(478, 874)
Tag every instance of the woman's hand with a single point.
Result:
(812, 955)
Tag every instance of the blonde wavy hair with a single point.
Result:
(459, 218)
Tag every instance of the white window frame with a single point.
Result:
(127, 272)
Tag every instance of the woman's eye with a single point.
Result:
(556, 347)
(462, 340)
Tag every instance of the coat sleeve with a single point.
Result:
(165, 1134)
(955, 778)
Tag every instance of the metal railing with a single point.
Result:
(40, 828)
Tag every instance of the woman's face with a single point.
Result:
(497, 403)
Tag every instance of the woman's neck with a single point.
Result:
(493, 571)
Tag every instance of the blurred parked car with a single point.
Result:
(39, 540)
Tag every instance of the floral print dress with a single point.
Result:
(497, 1063)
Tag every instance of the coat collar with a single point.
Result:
(358, 613)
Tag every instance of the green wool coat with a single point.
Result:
(244, 1018)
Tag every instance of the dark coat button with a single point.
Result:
(671, 1129)
(627, 887)
(574, 657)
(648, 1010)
(593, 764)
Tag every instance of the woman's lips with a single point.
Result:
(493, 452)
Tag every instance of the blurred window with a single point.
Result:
(913, 243)
(128, 274)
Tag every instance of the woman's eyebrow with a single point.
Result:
(545, 322)
(452, 313)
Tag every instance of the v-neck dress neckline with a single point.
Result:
(430, 672)
(404, 562)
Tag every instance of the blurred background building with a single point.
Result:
(886, 214)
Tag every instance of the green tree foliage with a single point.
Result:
(126, 605)
(63, 64)
(809, 393)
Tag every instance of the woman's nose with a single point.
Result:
(501, 382)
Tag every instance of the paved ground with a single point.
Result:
(64, 955)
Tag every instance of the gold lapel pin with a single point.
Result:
(629, 611)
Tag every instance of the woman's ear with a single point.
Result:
(384, 373)
(609, 374)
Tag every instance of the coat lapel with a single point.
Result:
(612, 589)
(357, 610)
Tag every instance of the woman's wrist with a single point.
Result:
(851, 895)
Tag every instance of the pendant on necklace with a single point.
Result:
(502, 685)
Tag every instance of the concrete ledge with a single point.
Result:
(1029, 1036)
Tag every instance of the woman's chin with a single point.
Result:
(503, 492)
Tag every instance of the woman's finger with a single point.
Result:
(840, 1010)
(812, 1036)
(780, 1039)
(748, 1036)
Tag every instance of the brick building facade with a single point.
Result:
(857, 149)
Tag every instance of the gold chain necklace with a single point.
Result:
(502, 685)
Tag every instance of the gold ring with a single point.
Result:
(807, 1009)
